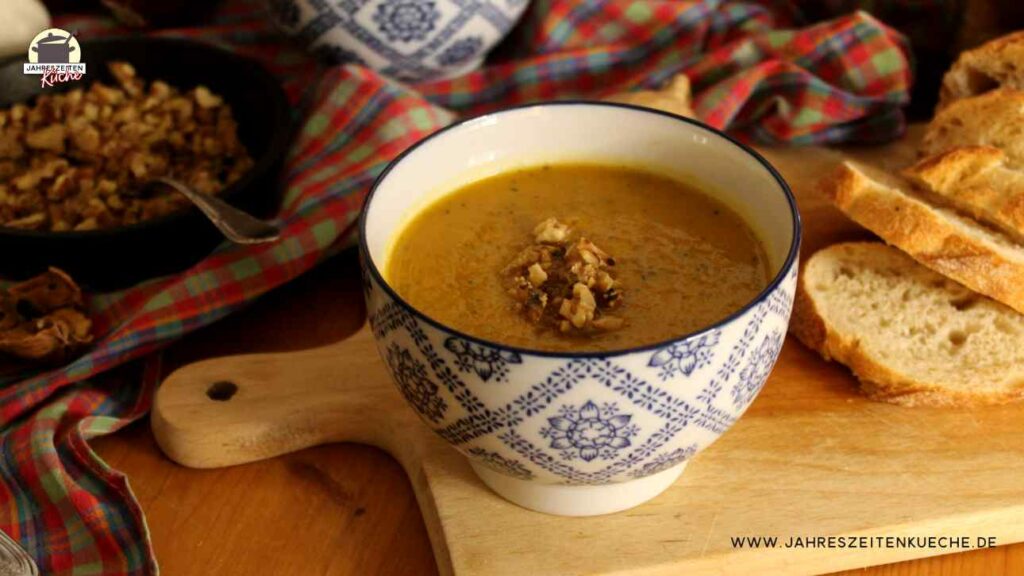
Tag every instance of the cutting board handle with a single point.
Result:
(238, 409)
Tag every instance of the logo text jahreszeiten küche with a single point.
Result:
(56, 57)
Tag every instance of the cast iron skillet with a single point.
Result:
(121, 256)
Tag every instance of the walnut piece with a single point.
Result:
(537, 275)
(578, 310)
(573, 276)
(551, 231)
(50, 138)
(76, 160)
(48, 291)
(50, 338)
(41, 319)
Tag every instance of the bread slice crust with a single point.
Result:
(995, 118)
(976, 181)
(949, 244)
(998, 63)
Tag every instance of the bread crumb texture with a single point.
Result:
(911, 335)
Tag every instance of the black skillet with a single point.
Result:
(122, 256)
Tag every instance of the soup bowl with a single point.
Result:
(580, 433)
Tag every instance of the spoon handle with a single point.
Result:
(238, 226)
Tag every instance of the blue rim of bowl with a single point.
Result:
(784, 270)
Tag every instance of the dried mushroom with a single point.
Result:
(564, 284)
(42, 319)
(82, 159)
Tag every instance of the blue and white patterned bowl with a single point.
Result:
(580, 433)
(410, 40)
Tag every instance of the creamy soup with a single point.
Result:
(585, 257)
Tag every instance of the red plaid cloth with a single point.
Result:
(840, 80)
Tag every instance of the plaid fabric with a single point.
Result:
(934, 29)
(841, 80)
(929, 23)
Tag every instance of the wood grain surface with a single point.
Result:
(343, 509)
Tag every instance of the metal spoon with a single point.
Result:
(237, 226)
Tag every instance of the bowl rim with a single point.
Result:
(277, 105)
(784, 270)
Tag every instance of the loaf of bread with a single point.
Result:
(940, 238)
(915, 334)
(994, 119)
(977, 181)
(999, 63)
(911, 336)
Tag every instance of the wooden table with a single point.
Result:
(339, 509)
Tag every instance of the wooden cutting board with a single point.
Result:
(810, 458)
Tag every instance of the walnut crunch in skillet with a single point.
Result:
(81, 159)
(676, 260)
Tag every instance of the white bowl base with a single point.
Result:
(563, 500)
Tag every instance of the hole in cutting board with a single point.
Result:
(221, 391)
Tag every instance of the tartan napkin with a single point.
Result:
(753, 74)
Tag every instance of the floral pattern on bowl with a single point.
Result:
(583, 421)
(411, 40)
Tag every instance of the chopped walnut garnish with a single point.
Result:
(537, 275)
(531, 300)
(571, 275)
(75, 160)
(578, 310)
(551, 231)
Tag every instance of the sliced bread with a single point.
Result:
(911, 336)
(994, 119)
(996, 63)
(951, 244)
(976, 181)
